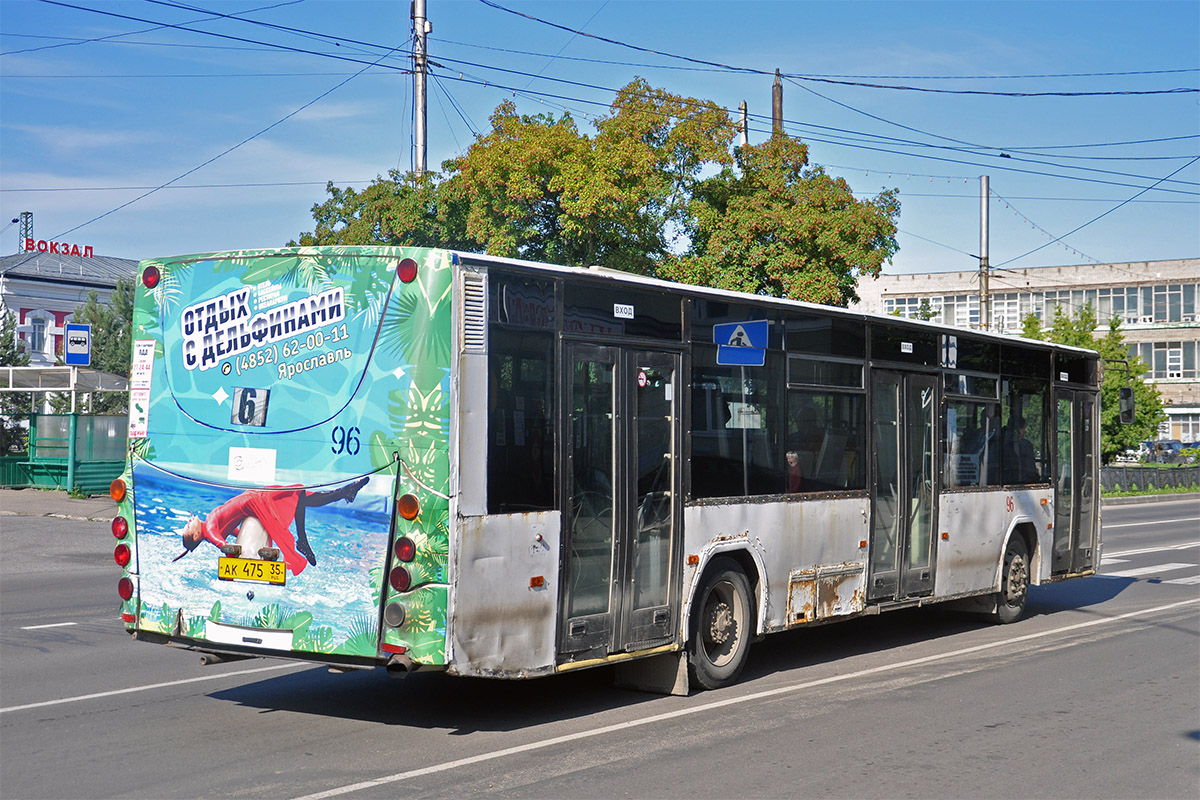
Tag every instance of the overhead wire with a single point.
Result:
(733, 68)
(1098, 217)
(134, 33)
(223, 153)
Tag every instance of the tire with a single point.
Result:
(721, 625)
(1014, 582)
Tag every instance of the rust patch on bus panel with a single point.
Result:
(824, 592)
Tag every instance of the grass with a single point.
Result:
(1150, 491)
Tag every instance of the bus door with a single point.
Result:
(622, 500)
(1074, 487)
(903, 485)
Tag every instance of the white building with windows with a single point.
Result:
(43, 290)
(1157, 302)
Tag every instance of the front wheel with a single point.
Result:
(1014, 582)
(721, 625)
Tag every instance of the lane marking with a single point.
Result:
(1137, 572)
(1191, 580)
(1144, 550)
(1106, 526)
(1104, 562)
(686, 712)
(150, 686)
(51, 625)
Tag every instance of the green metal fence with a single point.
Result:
(75, 452)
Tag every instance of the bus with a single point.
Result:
(422, 459)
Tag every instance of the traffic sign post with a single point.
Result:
(77, 345)
(742, 344)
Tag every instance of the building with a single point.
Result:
(1157, 302)
(44, 289)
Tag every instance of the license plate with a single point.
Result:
(250, 569)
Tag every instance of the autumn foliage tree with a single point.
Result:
(633, 196)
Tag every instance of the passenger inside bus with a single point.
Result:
(1020, 461)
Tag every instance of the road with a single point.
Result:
(1095, 693)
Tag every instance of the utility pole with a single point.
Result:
(421, 28)
(744, 125)
(777, 106)
(24, 232)
(985, 299)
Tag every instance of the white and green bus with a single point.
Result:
(424, 459)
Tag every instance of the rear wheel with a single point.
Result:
(721, 625)
(1014, 582)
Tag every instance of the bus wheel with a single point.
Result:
(721, 625)
(1014, 583)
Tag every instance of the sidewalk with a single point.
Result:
(55, 503)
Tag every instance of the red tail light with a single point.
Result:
(400, 579)
(125, 588)
(122, 555)
(406, 549)
(409, 506)
(116, 490)
(406, 270)
(150, 277)
(127, 617)
(120, 527)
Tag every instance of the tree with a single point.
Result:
(14, 406)
(398, 210)
(776, 226)
(1078, 330)
(112, 325)
(631, 197)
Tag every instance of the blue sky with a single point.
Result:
(95, 110)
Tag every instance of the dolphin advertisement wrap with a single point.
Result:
(282, 404)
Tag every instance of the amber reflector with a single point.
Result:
(116, 490)
(409, 506)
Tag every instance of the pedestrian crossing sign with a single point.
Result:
(741, 344)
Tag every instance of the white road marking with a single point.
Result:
(686, 712)
(1137, 572)
(148, 687)
(1191, 580)
(1151, 522)
(1104, 562)
(51, 625)
(1144, 550)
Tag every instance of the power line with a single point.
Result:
(223, 153)
(133, 33)
(732, 68)
(1100, 216)
(229, 37)
(645, 65)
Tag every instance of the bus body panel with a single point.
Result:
(975, 528)
(789, 537)
(282, 385)
(506, 585)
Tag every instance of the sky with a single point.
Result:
(1085, 116)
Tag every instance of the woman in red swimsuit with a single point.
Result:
(275, 509)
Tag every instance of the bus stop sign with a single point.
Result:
(77, 345)
(741, 344)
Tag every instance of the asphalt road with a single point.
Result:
(1096, 693)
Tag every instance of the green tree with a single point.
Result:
(112, 324)
(776, 226)
(1078, 330)
(402, 209)
(631, 197)
(14, 406)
